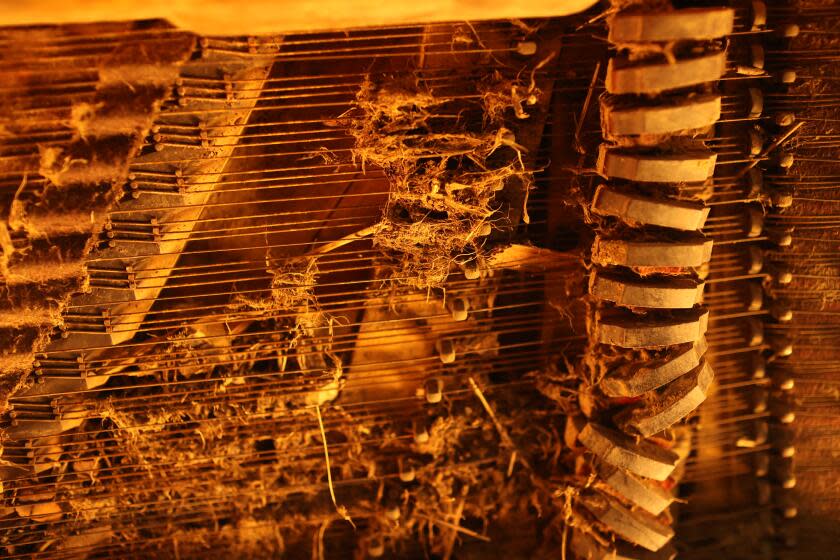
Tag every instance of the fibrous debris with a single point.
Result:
(445, 170)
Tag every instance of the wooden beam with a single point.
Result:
(222, 17)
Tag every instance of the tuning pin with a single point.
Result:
(407, 472)
(759, 366)
(787, 451)
(781, 346)
(783, 410)
(755, 222)
(761, 431)
(526, 48)
(789, 31)
(757, 435)
(782, 274)
(758, 400)
(781, 237)
(755, 142)
(421, 434)
(755, 182)
(784, 160)
(759, 14)
(471, 270)
(755, 259)
(782, 379)
(393, 513)
(754, 296)
(376, 547)
(446, 350)
(785, 501)
(787, 76)
(756, 103)
(781, 311)
(763, 492)
(761, 464)
(754, 331)
(785, 119)
(782, 471)
(782, 439)
(459, 308)
(433, 390)
(781, 198)
(757, 55)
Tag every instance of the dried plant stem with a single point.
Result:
(355, 236)
(342, 511)
(501, 429)
(318, 537)
(779, 141)
(454, 527)
(456, 518)
(563, 542)
(578, 144)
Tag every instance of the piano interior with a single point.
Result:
(503, 281)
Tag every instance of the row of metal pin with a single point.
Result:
(773, 469)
